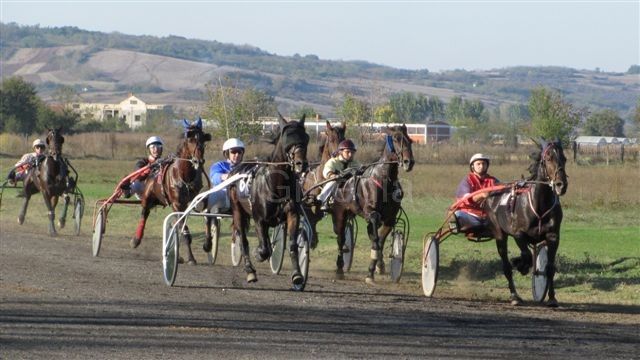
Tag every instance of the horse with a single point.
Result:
(531, 215)
(329, 146)
(272, 197)
(177, 181)
(49, 177)
(375, 196)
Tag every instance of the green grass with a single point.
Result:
(598, 259)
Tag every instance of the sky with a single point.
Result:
(433, 35)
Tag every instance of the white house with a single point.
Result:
(132, 110)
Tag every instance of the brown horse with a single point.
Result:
(49, 177)
(532, 215)
(333, 136)
(177, 181)
(375, 196)
(272, 197)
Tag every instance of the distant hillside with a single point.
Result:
(174, 70)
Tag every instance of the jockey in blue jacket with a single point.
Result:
(233, 151)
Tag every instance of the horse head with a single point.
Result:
(54, 142)
(291, 145)
(398, 146)
(333, 136)
(552, 165)
(193, 144)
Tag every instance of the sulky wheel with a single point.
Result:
(430, 259)
(539, 283)
(278, 242)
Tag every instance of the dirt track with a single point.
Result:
(57, 301)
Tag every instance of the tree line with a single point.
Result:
(236, 112)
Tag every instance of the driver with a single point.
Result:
(27, 161)
(334, 167)
(470, 218)
(154, 146)
(233, 152)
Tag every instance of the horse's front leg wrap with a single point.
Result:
(140, 229)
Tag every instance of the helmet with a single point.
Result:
(154, 140)
(37, 142)
(477, 157)
(232, 143)
(347, 144)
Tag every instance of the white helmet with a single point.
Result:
(37, 142)
(232, 143)
(154, 140)
(477, 157)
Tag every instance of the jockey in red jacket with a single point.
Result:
(469, 217)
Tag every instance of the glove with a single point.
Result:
(361, 170)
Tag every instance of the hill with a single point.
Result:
(175, 70)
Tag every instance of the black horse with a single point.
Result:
(531, 214)
(49, 177)
(272, 198)
(376, 196)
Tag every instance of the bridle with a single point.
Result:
(544, 157)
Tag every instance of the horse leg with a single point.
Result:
(50, 202)
(553, 242)
(248, 266)
(207, 245)
(296, 274)
(63, 216)
(23, 210)
(137, 238)
(373, 222)
(382, 235)
(501, 243)
(186, 239)
(263, 252)
(523, 262)
(339, 225)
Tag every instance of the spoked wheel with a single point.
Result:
(236, 248)
(304, 249)
(539, 283)
(278, 240)
(350, 244)
(78, 212)
(170, 242)
(98, 232)
(397, 255)
(430, 259)
(212, 255)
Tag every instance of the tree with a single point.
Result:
(384, 114)
(356, 113)
(605, 123)
(49, 118)
(18, 106)
(308, 111)
(636, 115)
(551, 115)
(237, 110)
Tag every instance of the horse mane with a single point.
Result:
(534, 166)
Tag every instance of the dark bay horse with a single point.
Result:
(375, 196)
(273, 196)
(531, 215)
(333, 136)
(177, 181)
(49, 177)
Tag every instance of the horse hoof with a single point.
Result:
(552, 303)
(369, 281)
(340, 274)
(61, 224)
(381, 269)
(192, 262)
(207, 247)
(516, 301)
(260, 256)
(180, 260)
(297, 279)
(134, 243)
(20, 220)
(251, 277)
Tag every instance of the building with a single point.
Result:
(133, 111)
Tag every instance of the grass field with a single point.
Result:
(599, 256)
